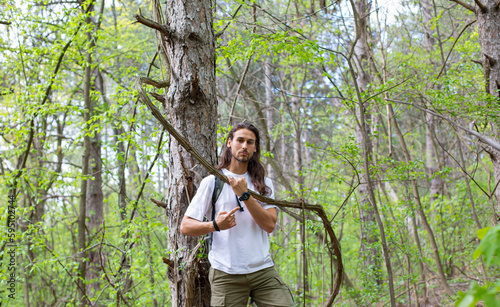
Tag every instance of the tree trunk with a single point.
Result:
(95, 215)
(83, 190)
(488, 23)
(430, 150)
(94, 200)
(299, 180)
(121, 154)
(89, 154)
(420, 209)
(368, 210)
(269, 110)
(191, 107)
(369, 249)
(427, 13)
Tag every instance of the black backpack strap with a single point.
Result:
(215, 195)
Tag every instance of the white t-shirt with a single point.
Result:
(242, 249)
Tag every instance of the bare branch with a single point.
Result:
(463, 169)
(157, 84)
(101, 262)
(152, 24)
(492, 61)
(158, 97)
(5, 22)
(451, 49)
(482, 7)
(239, 86)
(168, 261)
(387, 89)
(218, 34)
(483, 138)
(467, 6)
(159, 203)
(477, 62)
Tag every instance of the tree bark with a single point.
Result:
(269, 110)
(369, 249)
(191, 107)
(82, 231)
(488, 22)
(122, 194)
(95, 214)
(95, 197)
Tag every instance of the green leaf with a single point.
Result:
(477, 253)
(481, 233)
(465, 301)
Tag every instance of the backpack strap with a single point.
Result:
(215, 195)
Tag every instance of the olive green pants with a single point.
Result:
(265, 287)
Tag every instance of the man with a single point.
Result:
(241, 264)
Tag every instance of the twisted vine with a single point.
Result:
(317, 209)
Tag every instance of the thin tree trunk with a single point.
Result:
(122, 183)
(407, 256)
(299, 179)
(151, 267)
(121, 153)
(361, 10)
(367, 173)
(369, 242)
(82, 231)
(269, 110)
(94, 199)
(420, 209)
(95, 214)
(430, 150)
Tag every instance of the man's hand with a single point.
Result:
(239, 185)
(226, 220)
(265, 218)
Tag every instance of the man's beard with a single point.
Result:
(241, 160)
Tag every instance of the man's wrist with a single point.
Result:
(216, 227)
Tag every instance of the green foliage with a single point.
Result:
(489, 292)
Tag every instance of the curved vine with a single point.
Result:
(317, 209)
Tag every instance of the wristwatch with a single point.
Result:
(244, 196)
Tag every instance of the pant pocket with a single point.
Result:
(286, 291)
(211, 275)
(218, 300)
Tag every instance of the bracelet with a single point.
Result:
(215, 225)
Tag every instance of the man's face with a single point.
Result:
(242, 145)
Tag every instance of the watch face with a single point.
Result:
(245, 196)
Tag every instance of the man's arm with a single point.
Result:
(265, 218)
(192, 227)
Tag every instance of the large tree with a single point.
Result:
(488, 20)
(191, 107)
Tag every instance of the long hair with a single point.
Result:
(256, 168)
